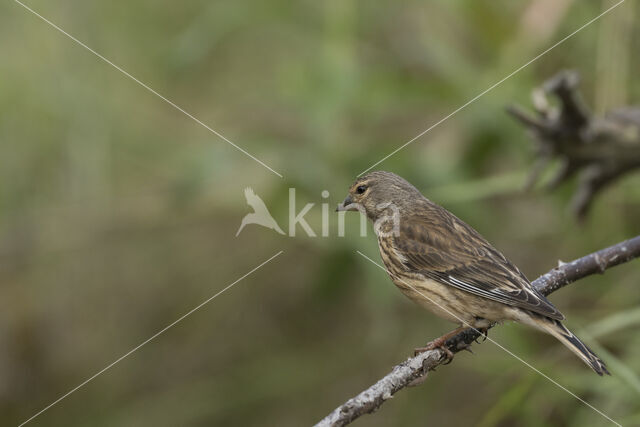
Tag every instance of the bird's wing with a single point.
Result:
(466, 261)
(255, 201)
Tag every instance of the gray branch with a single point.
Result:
(416, 368)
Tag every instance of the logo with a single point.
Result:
(386, 223)
(260, 215)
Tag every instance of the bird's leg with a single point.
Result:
(440, 343)
(484, 332)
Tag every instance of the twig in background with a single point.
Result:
(597, 149)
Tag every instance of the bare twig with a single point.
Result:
(597, 149)
(414, 368)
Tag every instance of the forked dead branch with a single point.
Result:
(599, 150)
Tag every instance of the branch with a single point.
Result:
(414, 368)
(597, 149)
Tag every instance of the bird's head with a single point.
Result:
(377, 192)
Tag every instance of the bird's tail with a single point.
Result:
(573, 343)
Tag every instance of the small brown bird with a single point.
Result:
(446, 266)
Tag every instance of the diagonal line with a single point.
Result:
(466, 104)
(499, 345)
(161, 331)
(174, 105)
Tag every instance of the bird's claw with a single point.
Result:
(484, 333)
(433, 345)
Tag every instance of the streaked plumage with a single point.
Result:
(446, 266)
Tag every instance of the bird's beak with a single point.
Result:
(347, 205)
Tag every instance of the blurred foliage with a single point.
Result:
(118, 213)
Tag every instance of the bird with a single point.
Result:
(446, 266)
(260, 214)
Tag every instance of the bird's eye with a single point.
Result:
(361, 189)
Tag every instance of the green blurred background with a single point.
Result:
(118, 213)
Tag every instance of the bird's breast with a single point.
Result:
(441, 299)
